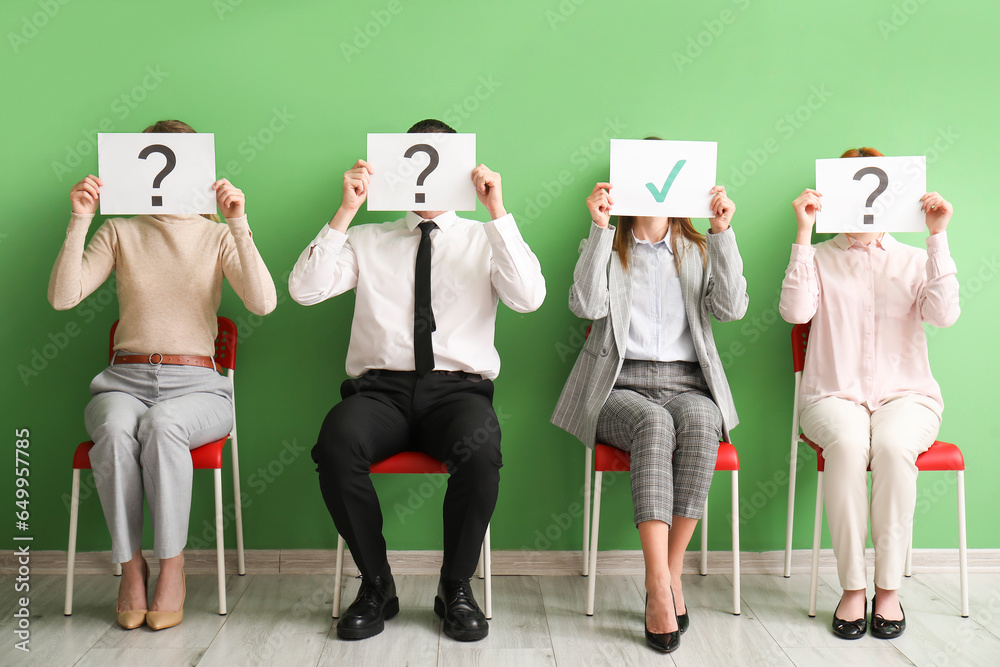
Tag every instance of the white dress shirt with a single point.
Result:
(658, 326)
(473, 265)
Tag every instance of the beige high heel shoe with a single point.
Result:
(133, 618)
(160, 620)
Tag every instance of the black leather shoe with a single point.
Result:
(884, 629)
(667, 642)
(851, 629)
(463, 620)
(376, 603)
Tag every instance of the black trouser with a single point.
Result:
(383, 413)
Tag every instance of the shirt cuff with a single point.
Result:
(937, 245)
(504, 230)
(328, 236)
(939, 260)
(803, 254)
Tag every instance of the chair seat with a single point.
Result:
(206, 457)
(612, 459)
(412, 463)
(939, 456)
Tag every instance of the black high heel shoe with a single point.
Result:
(683, 620)
(666, 642)
(851, 629)
(884, 629)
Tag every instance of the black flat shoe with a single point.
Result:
(666, 642)
(884, 629)
(851, 629)
(454, 604)
(376, 603)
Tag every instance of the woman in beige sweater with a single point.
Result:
(161, 396)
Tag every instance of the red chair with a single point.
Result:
(417, 463)
(940, 456)
(206, 457)
(610, 459)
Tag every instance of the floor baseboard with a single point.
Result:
(321, 561)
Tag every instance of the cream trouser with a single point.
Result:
(888, 441)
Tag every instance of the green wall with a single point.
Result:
(291, 89)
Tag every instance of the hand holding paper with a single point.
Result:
(723, 207)
(488, 190)
(85, 194)
(806, 205)
(232, 202)
(600, 202)
(938, 212)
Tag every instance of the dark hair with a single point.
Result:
(622, 242)
(172, 126)
(431, 125)
(861, 152)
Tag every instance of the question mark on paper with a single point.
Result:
(432, 165)
(883, 183)
(167, 168)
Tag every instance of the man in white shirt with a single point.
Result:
(422, 361)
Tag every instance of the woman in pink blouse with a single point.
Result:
(868, 395)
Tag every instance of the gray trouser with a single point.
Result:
(144, 421)
(663, 413)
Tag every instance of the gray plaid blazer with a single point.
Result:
(602, 292)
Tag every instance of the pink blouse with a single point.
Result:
(867, 305)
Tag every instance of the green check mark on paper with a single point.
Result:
(660, 195)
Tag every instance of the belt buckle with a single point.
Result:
(158, 362)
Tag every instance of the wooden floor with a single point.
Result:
(538, 620)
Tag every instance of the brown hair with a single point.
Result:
(862, 152)
(622, 243)
(172, 126)
(179, 127)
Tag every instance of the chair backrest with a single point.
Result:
(225, 343)
(800, 337)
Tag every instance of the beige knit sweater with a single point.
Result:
(169, 277)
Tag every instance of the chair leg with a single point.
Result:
(736, 543)
(963, 563)
(117, 569)
(74, 517)
(338, 576)
(703, 567)
(587, 477)
(817, 530)
(592, 578)
(908, 564)
(480, 569)
(488, 572)
(241, 566)
(220, 554)
(793, 461)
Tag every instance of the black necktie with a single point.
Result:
(423, 316)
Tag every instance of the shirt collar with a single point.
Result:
(662, 243)
(443, 221)
(843, 242)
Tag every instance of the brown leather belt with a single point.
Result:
(156, 359)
